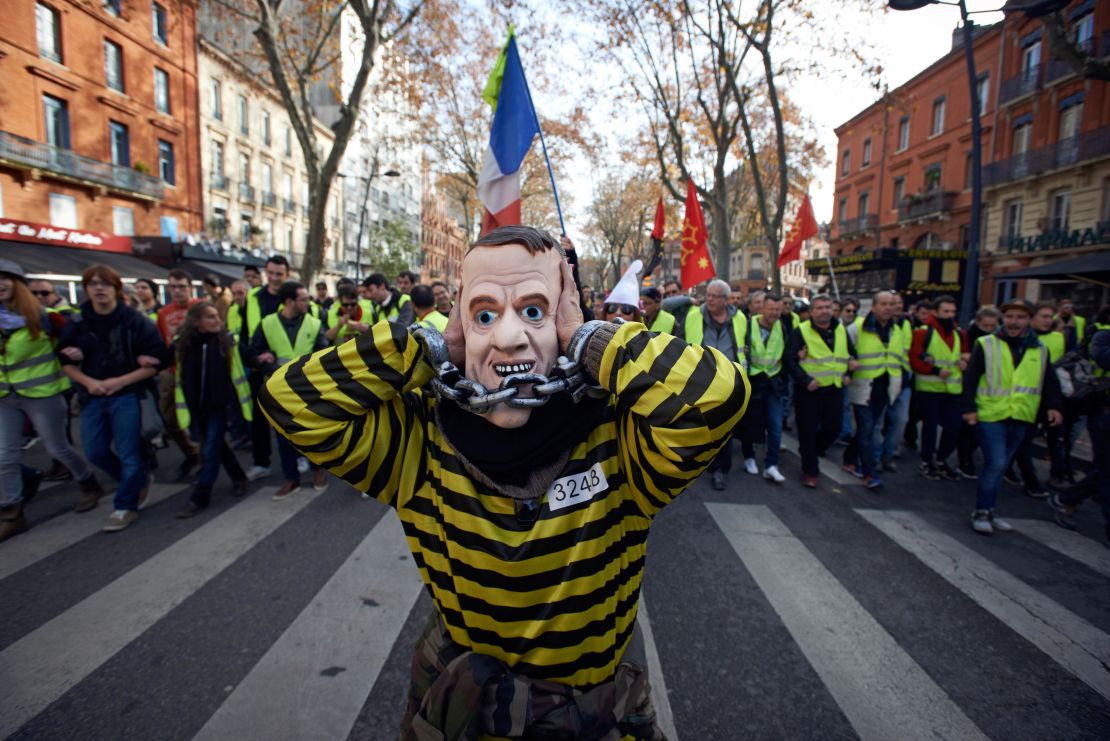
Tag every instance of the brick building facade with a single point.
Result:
(98, 120)
(442, 241)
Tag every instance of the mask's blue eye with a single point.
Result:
(485, 318)
(533, 313)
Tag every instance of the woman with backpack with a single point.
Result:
(209, 383)
(31, 384)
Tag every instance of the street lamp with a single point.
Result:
(1032, 9)
(390, 173)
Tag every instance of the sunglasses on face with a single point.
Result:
(620, 309)
(41, 293)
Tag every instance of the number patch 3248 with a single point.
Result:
(577, 488)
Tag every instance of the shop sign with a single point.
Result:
(1058, 239)
(870, 260)
(933, 254)
(25, 231)
(921, 285)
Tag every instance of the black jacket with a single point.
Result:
(111, 343)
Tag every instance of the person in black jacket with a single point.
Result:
(107, 352)
(211, 382)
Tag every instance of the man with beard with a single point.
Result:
(534, 632)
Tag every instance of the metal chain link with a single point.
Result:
(449, 383)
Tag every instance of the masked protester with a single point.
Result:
(937, 358)
(351, 318)
(487, 492)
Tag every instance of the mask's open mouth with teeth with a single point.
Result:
(508, 369)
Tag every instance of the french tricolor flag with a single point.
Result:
(510, 138)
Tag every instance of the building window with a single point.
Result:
(899, 191)
(1004, 291)
(1070, 119)
(268, 231)
(266, 128)
(903, 133)
(1011, 219)
(1105, 200)
(244, 116)
(842, 211)
(48, 28)
(846, 162)
(932, 178)
(287, 187)
(56, 115)
(1061, 209)
(1083, 31)
(113, 65)
(158, 24)
(863, 203)
(1031, 61)
(245, 226)
(938, 116)
(288, 142)
(165, 162)
(63, 211)
(120, 144)
(113, 7)
(219, 220)
(161, 91)
(244, 168)
(289, 239)
(267, 180)
(866, 153)
(217, 100)
(218, 158)
(1022, 135)
(123, 221)
(983, 88)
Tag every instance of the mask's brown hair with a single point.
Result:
(532, 239)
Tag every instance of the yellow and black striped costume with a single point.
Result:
(555, 599)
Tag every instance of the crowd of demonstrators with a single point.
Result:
(109, 352)
(171, 317)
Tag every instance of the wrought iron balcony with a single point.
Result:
(1023, 82)
(1058, 68)
(246, 192)
(219, 181)
(290, 205)
(269, 199)
(1085, 146)
(858, 226)
(28, 153)
(927, 206)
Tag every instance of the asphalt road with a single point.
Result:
(773, 612)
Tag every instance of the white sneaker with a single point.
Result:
(254, 473)
(772, 474)
(1000, 525)
(981, 522)
(751, 467)
(302, 465)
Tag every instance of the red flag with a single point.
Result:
(694, 258)
(804, 227)
(656, 239)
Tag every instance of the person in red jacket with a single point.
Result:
(938, 357)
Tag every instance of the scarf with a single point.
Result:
(11, 321)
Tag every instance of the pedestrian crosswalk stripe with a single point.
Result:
(43, 665)
(664, 717)
(882, 691)
(63, 531)
(314, 680)
(1088, 552)
(1068, 639)
(827, 467)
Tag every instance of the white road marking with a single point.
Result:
(43, 665)
(314, 680)
(664, 717)
(1088, 552)
(882, 691)
(1068, 639)
(65, 530)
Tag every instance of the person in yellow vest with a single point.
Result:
(656, 318)
(443, 297)
(1072, 325)
(718, 325)
(389, 303)
(897, 417)
(236, 312)
(1007, 382)
(351, 318)
(331, 317)
(284, 337)
(766, 344)
(210, 382)
(876, 382)
(1045, 326)
(424, 305)
(261, 301)
(818, 359)
(63, 311)
(147, 293)
(936, 356)
(31, 384)
(44, 291)
(252, 276)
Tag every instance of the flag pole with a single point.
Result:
(832, 274)
(546, 158)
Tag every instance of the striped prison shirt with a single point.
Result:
(555, 599)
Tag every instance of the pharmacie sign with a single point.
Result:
(26, 231)
(1058, 239)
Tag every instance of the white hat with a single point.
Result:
(627, 290)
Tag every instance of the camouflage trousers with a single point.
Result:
(461, 695)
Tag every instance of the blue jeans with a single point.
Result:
(846, 418)
(999, 442)
(862, 451)
(772, 405)
(214, 451)
(108, 421)
(897, 415)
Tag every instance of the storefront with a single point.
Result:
(914, 273)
